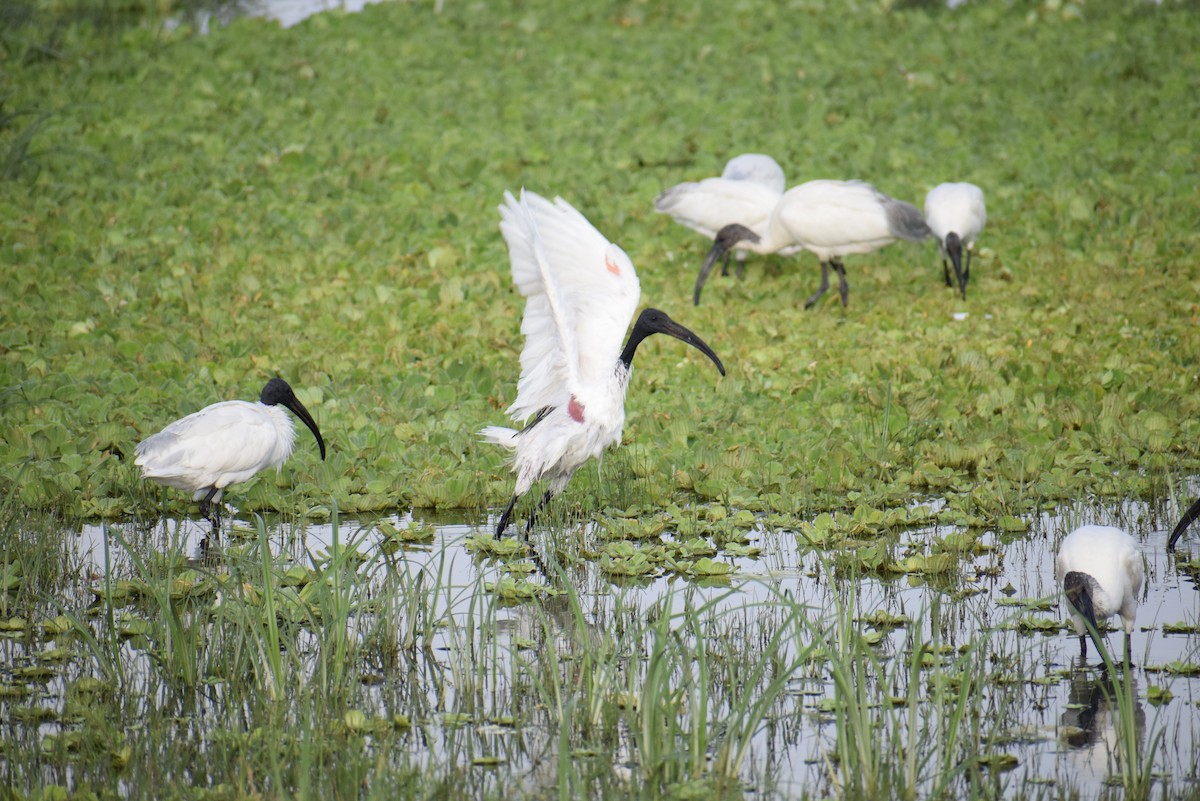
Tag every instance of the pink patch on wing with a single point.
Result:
(612, 268)
(575, 409)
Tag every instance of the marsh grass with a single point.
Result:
(187, 214)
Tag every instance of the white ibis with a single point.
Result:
(582, 291)
(757, 168)
(830, 218)
(1190, 515)
(1101, 573)
(956, 214)
(225, 443)
(746, 192)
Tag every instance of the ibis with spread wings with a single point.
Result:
(581, 292)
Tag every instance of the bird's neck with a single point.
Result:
(772, 238)
(635, 338)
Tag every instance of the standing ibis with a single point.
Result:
(956, 214)
(1101, 573)
(757, 168)
(225, 443)
(830, 218)
(1190, 515)
(745, 194)
(582, 291)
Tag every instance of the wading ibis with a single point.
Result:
(225, 443)
(745, 194)
(1188, 517)
(830, 218)
(581, 293)
(956, 214)
(1101, 573)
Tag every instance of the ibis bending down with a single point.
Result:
(225, 443)
(582, 291)
(830, 218)
(757, 168)
(746, 193)
(1101, 573)
(956, 214)
(1190, 515)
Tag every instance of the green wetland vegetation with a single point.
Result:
(828, 574)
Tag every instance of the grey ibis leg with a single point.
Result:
(540, 506)
(210, 511)
(505, 517)
(808, 304)
(843, 285)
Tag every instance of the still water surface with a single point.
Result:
(1059, 725)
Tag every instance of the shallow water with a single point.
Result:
(1053, 717)
(286, 12)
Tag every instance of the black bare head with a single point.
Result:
(1078, 589)
(726, 239)
(954, 249)
(653, 321)
(278, 392)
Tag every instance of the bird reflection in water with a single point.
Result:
(1091, 722)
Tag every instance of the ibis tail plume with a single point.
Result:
(831, 219)
(581, 293)
(225, 443)
(956, 214)
(1101, 573)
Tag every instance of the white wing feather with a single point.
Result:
(582, 291)
(223, 443)
(709, 205)
(834, 218)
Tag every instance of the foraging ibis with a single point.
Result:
(582, 291)
(746, 192)
(1101, 573)
(1190, 515)
(956, 214)
(830, 218)
(225, 443)
(757, 168)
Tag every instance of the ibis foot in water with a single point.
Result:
(211, 512)
(506, 517)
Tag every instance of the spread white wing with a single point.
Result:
(582, 291)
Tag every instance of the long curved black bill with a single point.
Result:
(724, 241)
(1079, 594)
(662, 324)
(1189, 516)
(298, 409)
